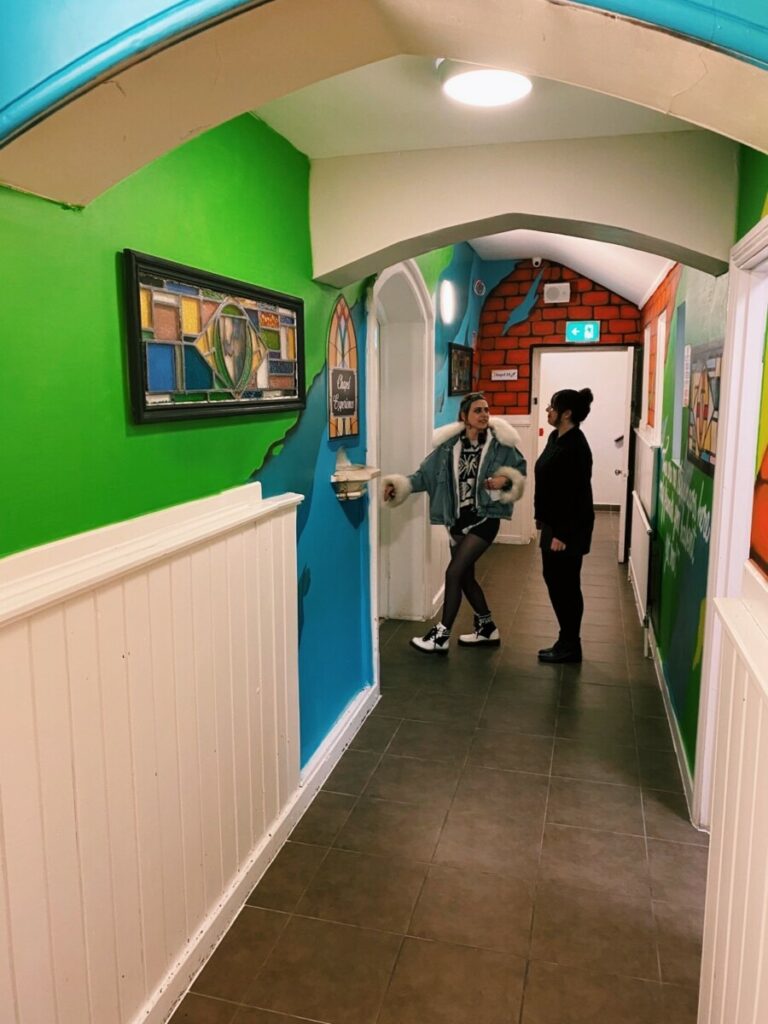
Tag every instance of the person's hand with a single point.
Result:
(495, 483)
(556, 545)
(389, 492)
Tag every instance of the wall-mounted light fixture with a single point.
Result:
(481, 87)
(447, 302)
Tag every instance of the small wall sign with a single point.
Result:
(343, 392)
(582, 332)
(506, 374)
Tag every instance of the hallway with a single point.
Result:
(504, 841)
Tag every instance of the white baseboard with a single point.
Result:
(512, 539)
(176, 983)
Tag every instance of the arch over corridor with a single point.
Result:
(164, 98)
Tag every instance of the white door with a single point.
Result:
(608, 372)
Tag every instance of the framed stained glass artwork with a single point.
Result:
(203, 345)
(343, 416)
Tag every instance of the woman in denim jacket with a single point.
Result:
(473, 476)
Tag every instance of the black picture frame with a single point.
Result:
(460, 364)
(247, 373)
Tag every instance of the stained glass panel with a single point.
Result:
(343, 417)
(197, 339)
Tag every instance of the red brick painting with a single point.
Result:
(619, 325)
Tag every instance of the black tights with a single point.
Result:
(562, 574)
(460, 578)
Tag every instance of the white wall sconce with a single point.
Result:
(447, 302)
(478, 86)
(350, 480)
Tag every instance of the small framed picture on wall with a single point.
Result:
(459, 369)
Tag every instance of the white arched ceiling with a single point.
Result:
(673, 194)
(148, 108)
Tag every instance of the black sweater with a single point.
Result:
(563, 496)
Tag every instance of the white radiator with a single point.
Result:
(148, 751)
(640, 556)
(734, 979)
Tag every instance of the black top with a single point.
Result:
(563, 496)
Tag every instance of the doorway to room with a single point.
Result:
(609, 372)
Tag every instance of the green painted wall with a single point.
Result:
(753, 189)
(233, 201)
(684, 514)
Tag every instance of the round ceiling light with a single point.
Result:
(482, 87)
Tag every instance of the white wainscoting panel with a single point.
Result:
(149, 745)
(734, 979)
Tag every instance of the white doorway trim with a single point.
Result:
(377, 313)
(734, 480)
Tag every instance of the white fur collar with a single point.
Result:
(505, 432)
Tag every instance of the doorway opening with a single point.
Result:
(400, 400)
(610, 373)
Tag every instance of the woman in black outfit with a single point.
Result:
(565, 515)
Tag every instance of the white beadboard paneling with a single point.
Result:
(92, 808)
(48, 646)
(734, 986)
(149, 751)
(25, 854)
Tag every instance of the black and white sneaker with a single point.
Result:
(435, 641)
(485, 635)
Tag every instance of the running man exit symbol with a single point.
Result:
(582, 331)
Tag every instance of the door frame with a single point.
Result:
(535, 357)
(410, 272)
(738, 418)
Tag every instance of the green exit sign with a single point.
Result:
(582, 332)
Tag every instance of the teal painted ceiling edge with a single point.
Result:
(738, 27)
(20, 109)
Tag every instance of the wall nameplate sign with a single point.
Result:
(509, 373)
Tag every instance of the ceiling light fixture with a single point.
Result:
(481, 87)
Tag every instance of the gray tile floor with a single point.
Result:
(503, 842)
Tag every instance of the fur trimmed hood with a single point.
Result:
(505, 432)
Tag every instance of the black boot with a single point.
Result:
(563, 651)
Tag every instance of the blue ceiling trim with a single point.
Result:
(738, 27)
(34, 25)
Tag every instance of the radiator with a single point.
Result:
(640, 556)
(149, 742)
(734, 978)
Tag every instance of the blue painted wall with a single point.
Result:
(464, 269)
(335, 655)
(739, 27)
(51, 50)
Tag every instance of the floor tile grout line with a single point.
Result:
(250, 1006)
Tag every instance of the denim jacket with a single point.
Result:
(438, 474)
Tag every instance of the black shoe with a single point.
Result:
(561, 653)
(547, 650)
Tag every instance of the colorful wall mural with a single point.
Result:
(696, 325)
(234, 202)
(514, 317)
(758, 545)
(470, 279)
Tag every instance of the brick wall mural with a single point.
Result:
(514, 318)
(662, 299)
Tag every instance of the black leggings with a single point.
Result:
(562, 575)
(460, 577)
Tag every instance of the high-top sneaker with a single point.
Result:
(485, 635)
(435, 641)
